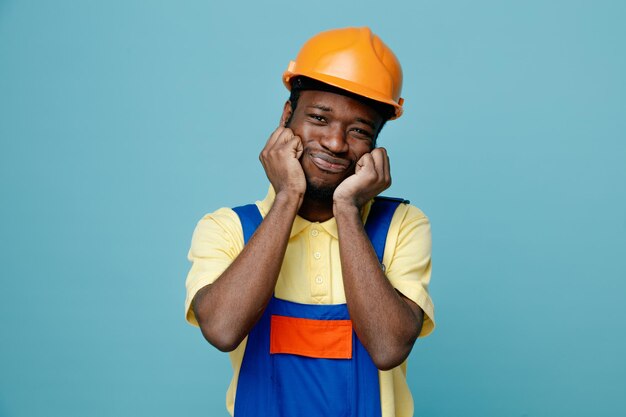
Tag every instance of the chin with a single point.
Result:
(319, 192)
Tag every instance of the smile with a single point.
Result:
(329, 164)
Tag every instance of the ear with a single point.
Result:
(286, 113)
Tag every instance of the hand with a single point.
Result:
(371, 177)
(280, 159)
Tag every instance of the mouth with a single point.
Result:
(329, 163)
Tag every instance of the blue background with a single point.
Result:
(123, 122)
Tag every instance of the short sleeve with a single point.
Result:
(216, 242)
(408, 259)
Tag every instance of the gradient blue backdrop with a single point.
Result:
(123, 122)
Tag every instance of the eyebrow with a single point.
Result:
(320, 107)
(367, 122)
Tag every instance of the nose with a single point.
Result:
(335, 140)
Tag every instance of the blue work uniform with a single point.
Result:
(279, 382)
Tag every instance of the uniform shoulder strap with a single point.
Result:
(378, 221)
(250, 218)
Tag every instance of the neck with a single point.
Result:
(316, 210)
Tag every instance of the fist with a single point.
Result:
(280, 159)
(371, 177)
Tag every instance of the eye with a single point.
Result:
(317, 117)
(362, 133)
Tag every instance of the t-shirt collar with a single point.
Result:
(299, 224)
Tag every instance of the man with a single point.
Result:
(318, 322)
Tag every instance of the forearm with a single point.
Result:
(385, 321)
(227, 309)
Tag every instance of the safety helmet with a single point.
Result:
(352, 59)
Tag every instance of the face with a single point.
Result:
(336, 131)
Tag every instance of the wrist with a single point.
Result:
(343, 207)
(289, 200)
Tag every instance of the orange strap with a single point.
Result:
(331, 339)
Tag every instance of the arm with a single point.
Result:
(386, 322)
(227, 309)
